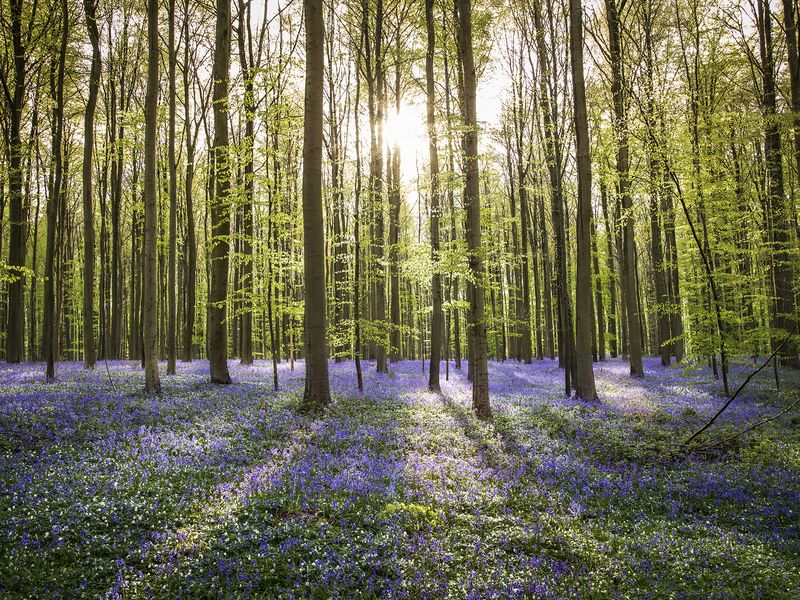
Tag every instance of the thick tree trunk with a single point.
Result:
(555, 161)
(623, 189)
(152, 383)
(584, 375)
(317, 390)
(220, 204)
(15, 325)
(472, 201)
(782, 271)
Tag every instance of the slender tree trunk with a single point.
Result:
(173, 195)
(455, 294)
(191, 243)
(246, 275)
(317, 389)
(50, 323)
(436, 279)
(357, 316)
(152, 383)
(89, 350)
(656, 247)
(792, 31)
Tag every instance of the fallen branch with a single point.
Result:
(750, 428)
(740, 388)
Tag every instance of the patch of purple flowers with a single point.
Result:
(394, 492)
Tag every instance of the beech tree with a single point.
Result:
(317, 391)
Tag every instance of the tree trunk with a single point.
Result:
(782, 271)
(623, 190)
(555, 161)
(15, 326)
(173, 195)
(152, 383)
(50, 323)
(220, 204)
(472, 201)
(246, 275)
(89, 350)
(191, 243)
(317, 389)
(584, 375)
(436, 279)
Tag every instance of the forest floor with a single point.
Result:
(214, 491)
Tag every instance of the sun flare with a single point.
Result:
(406, 129)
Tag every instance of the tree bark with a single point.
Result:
(623, 190)
(15, 325)
(173, 195)
(246, 275)
(152, 383)
(472, 200)
(50, 323)
(433, 151)
(89, 350)
(220, 204)
(584, 374)
(317, 388)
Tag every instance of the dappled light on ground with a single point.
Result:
(395, 492)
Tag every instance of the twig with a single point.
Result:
(740, 388)
(110, 379)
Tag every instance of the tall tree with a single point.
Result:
(89, 350)
(173, 192)
(628, 259)
(780, 213)
(436, 278)
(317, 388)
(220, 203)
(14, 89)
(584, 374)
(50, 322)
(152, 382)
(472, 201)
(246, 59)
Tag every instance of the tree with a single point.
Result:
(317, 388)
(50, 321)
(220, 204)
(89, 351)
(436, 278)
(628, 260)
(152, 383)
(584, 374)
(14, 89)
(472, 201)
(173, 193)
(780, 214)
